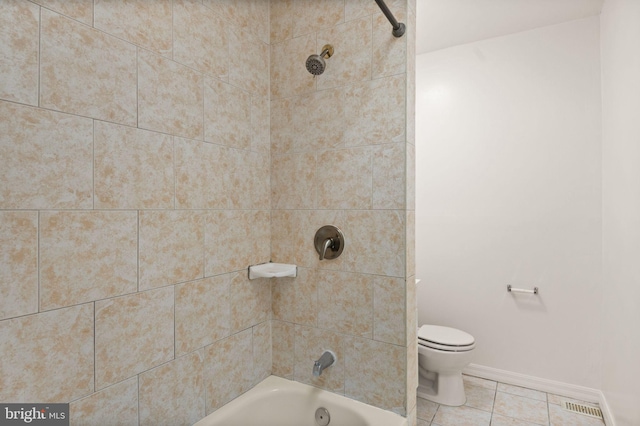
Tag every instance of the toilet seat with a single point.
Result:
(445, 339)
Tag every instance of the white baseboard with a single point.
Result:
(545, 385)
(606, 411)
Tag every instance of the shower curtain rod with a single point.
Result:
(398, 27)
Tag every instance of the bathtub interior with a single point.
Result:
(280, 402)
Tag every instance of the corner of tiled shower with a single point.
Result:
(151, 151)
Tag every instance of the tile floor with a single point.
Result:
(499, 404)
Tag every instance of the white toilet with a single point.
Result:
(442, 354)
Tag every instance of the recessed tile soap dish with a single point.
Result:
(272, 270)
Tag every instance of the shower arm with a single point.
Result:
(398, 27)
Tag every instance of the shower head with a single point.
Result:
(315, 63)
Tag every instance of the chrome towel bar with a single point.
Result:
(522, 290)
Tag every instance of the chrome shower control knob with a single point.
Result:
(329, 242)
(322, 416)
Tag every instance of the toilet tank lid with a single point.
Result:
(445, 335)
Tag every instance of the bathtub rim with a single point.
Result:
(274, 383)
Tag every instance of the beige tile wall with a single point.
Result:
(342, 154)
(150, 152)
(134, 192)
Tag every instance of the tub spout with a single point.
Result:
(327, 359)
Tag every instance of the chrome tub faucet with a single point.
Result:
(327, 359)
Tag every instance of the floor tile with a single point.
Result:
(521, 408)
(499, 404)
(517, 390)
(461, 416)
(498, 420)
(477, 381)
(479, 397)
(426, 409)
(561, 417)
(557, 400)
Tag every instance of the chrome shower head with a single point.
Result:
(315, 63)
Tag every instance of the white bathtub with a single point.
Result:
(280, 402)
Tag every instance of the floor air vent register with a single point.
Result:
(583, 409)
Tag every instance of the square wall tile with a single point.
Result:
(210, 176)
(115, 405)
(389, 309)
(199, 169)
(86, 256)
(173, 394)
(262, 351)
(227, 114)
(247, 184)
(80, 10)
(133, 168)
(133, 334)
(170, 96)
(375, 373)
(388, 172)
(46, 159)
(19, 257)
(411, 310)
(346, 302)
(200, 38)
(389, 52)
(247, 15)
(281, 16)
(309, 17)
(375, 112)
(319, 120)
(171, 247)
(412, 374)
(249, 64)
(359, 8)
(293, 181)
(283, 354)
(310, 344)
(411, 176)
(228, 369)
(202, 312)
(235, 239)
(260, 124)
(410, 243)
(282, 129)
(352, 58)
(296, 299)
(72, 55)
(257, 169)
(19, 50)
(375, 242)
(250, 301)
(309, 122)
(144, 23)
(344, 178)
(289, 77)
(36, 366)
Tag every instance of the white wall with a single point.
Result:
(621, 207)
(509, 192)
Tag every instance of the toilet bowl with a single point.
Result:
(442, 354)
